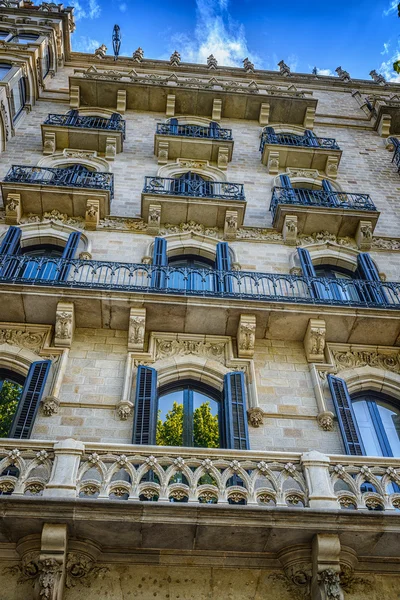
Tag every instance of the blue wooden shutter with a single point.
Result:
(173, 129)
(312, 138)
(213, 129)
(11, 241)
(28, 405)
(346, 417)
(368, 272)
(285, 181)
(327, 186)
(68, 254)
(272, 137)
(145, 419)
(235, 411)
(223, 263)
(160, 259)
(306, 262)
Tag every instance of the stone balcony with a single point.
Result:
(193, 141)
(103, 292)
(72, 191)
(340, 213)
(83, 132)
(282, 150)
(202, 500)
(168, 200)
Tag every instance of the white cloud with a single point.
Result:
(123, 7)
(85, 9)
(85, 44)
(386, 47)
(391, 8)
(292, 62)
(326, 72)
(216, 34)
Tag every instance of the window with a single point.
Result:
(188, 415)
(342, 276)
(24, 38)
(192, 184)
(18, 97)
(37, 269)
(11, 385)
(199, 277)
(4, 69)
(46, 59)
(4, 35)
(378, 421)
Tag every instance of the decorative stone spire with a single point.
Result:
(175, 59)
(101, 51)
(343, 75)
(212, 62)
(248, 66)
(284, 69)
(138, 55)
(378, 78)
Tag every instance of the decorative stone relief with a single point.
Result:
(290, 230)
(329, 583)
(212, 62)
(246, 336)
(326, 568)
(216, 110)
(163, 152)
(49, 143)
(231, 224)
(137, 328)
(363, 358)
(223, 158)
(4, 114)
(74, 96)
(255, 417)
(377, 77)
(24, 338)
(181, 347)
(324, 236)
(121, 101)
(111, 148)
(191, 226)
(364, 236)
(314, 340)
(101, 51)
(385, 125)
(385, 244)
(50, 406)
(175, 59)
(325, 419)
(263, 117)
(13, 209)
(283, 68)
(343, 75)
(170, 108)
(307, 173)
(273, 163)
(92, 215)
(248, 66)
(65, 324)
(154, 219)
(81, 568)
(85, 256)
(54, 215)
(332, 165)
(124, 409)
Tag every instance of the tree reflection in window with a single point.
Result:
(188, 417)
(10, 393)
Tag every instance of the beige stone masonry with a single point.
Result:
(289, 230)
(384, 126)
(92, 216)
(13, 209)
(246, 336)
(65, 324)
(314, 341)
(121, 101)
(137, 329)
(170, 107)
(263, 118)
(216, 110)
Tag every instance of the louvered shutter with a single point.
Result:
(223, 263)
(346, 417)
(272, 137)
(312, 138)
(69, 253)
(173, 129)
(235, 411)
(28, 405)
(289, 193)
(368, 272)
(145, 419)
(285, 181)
(10, 246)
(213, 129)
(317, 290)
(160, 259)
(327, 186)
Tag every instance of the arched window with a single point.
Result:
(336, 273)
(192, 273)
(44, 263)
(192, 184)
(189, 414)
(378, 420)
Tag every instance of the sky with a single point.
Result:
(358, 35)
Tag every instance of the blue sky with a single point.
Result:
(358, 35)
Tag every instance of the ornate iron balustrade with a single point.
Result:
(307, 197)
(69, 177)
(87, 122)
(248, 285)
(291, 139)
(168, 186)
(396, 154)
(195, 131)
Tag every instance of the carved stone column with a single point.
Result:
(246, 336)
(65, 324)
(263, 117)
(326, 568)
(364, 236)
(314, 340)
(137, 328)
(13, 209)
(290, 230)
(320, 490)
(62, 482)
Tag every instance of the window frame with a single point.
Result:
(370, 397)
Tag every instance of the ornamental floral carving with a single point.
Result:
(64, 325)
(325, 236)
(168, 348)
(81, 568)
(351, 360)
(24, 339)
(330, 581)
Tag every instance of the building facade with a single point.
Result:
(199, 337)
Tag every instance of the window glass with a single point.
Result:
(367, 430)
(337, 291)
(46, 61)
(379, 424)
(34, 269)
(10, 393)
(199, 277)
(188, 417)
(4, 69)
(391, 423)
(4, 35)
(24, 38)
(18, 96)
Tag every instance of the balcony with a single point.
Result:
(340, 213)
(396, 152)
(195, 199)
(68, 190)
(194, 141)
(282, 150)
(84, 132)
(199, 300)
(164, 497)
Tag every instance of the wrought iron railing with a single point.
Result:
(291, 139)
(87, 122)
(396, 154)
(308, 197)
(195, 131)
(182, 281)
(168, 186)
(68, 177)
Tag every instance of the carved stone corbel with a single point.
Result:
(332, 166)
(325, 420)
(273, 163)
(246, 336)
(385, 125)
(289, 231)
(255, 417)
(170, 108)
(364, 236)
(309, 118)
(49, 143)
(124, 410)
(230, 225)
(314, 340)
(13, 209)
(163, 153)
(74, 96)
(263, 117)
(326, 568)
(52, 563)
(121, 101)
(154, 219)
(111, 148)
(223, 158)
(50, 406)
(137, 329)
(85, 255)
(216, 110)
(65, 324)
(92, 215)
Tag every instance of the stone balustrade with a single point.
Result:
(312, 480)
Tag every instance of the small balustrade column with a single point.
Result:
(320, 490)
(63, 477)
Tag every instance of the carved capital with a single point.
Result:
(255, 417)
(364, 236)
(231, 224)
(290, 230)
(314, 340)
(65, 324)
(92, 216)
(154, 219)
(137, 328)
(111, 148)
(246, 336)
(13, 209)
(273, 163)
